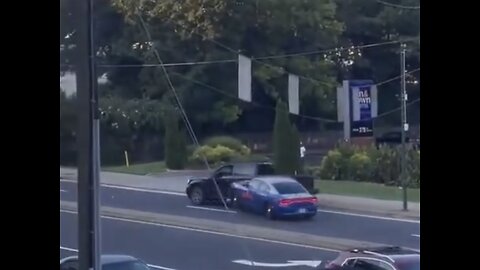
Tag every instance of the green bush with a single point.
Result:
(381, 165)
(331, 165)
(229, 142)
(387, 166)
(214, 155)
(413, 168)
(360, 167)
(219, 149)
(313, 171)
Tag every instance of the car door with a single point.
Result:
(261, 197)
(220, 177)
(247, 195)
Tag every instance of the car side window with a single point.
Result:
(224, 171)
(263, 188)
(243, 169)
(69, 265)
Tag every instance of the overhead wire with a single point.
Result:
(179, 103)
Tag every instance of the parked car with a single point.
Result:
(381, 258)
(107, 262)
(274, 196)
(206, 189)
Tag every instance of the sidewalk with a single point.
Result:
(176, 181)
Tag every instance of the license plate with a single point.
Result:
(302, 210)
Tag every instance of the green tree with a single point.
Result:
(191, 30)
(369, 22)
(175, 143)
(284, 154)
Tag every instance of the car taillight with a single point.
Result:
(287, 202)
(284, 202)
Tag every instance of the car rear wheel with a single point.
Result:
(196, 196)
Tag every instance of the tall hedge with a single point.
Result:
(175, 143)
(285, 142)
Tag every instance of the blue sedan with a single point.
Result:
(274, 196)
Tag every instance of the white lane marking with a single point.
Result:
(276, 265)
(133, 188)
(370, 216)
(211, 209)
(150, 265)
(62, 190)
(210, 232)
(184, 195)
(416, 235)
(68, 249)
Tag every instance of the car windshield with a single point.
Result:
(289, 188)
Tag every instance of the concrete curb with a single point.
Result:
(246, 231)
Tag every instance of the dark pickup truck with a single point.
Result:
(203, 189)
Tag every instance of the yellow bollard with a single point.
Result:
(126, 159)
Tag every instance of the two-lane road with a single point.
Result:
(326, 223)
(171, 248)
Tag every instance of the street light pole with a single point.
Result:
(87, 140)
(403, 97)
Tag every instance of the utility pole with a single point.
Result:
(87, 140)
(403, 98)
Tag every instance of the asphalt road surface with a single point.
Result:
(182, 249)
(331, 224)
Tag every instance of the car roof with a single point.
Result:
(110, 258)
(276, 179)
(390, 253)
(405, 257)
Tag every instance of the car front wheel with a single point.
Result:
(196, 196)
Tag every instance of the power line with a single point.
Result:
(174, 64)
(180, 106)
(397, 77)
(396, 109)
(320, 119)
(192, 63)
(172, 88)
(398, 6)
(225, 93)
(338, 49)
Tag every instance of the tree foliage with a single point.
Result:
(211, 30)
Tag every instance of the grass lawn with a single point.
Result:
(141, 169)
(366, 190)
